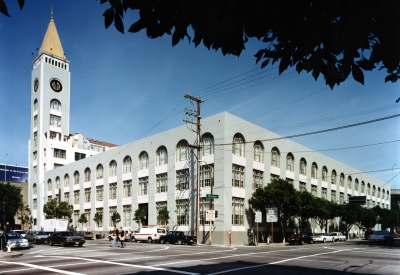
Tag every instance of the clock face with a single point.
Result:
(56, 85)
(35, 84)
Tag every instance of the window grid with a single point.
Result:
(161, 183)
(314, 190)
(257, 179)
(182, 151)
(237, 211)
(49, 185)
(333, 177)
(275, 158)
(112, 210)
(99, 171)
(302, 186)
(182, 179)
(324, 193)
(303, 166)
(207, 145)
(333, 195)
(237, 176)
(87, 175)
(127, 166)
(324, 174)
(87, 194)
(162, 156)
(126, 215)
(289, 163)
(127, 189)
(113, 169)
(100, 211)
(113, 191)
(66, 197)
(238, 146)
(35, 189)
(76, 178)
(314, 171)
(205, 176)
(143, 186)
(34, 204)
(258, 152)
(99, 193)
(204, 207)
(160, 205)
(341, 180)
(182, 208)
(59, 153)
(143, 161)
(76, 197)
(58, 183)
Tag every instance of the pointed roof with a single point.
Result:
(51, 42)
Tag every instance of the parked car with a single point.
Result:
(300, 239)
(37, 236)
(381, 236)
(395, 235)
(323, 237)
(339, 236)
(367, 234)
(87, 235)
(16, 240)
(65, 238)
(152, 234)
(178, 237)
(20, 232)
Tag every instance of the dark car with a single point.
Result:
(88, 235)
(65, 238)
(37, 236)
(300, 239)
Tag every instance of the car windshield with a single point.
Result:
(295, 235)
(41, 233)
(160, 231)
(13, 236)
(318, 234)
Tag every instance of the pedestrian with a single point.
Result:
(121, 236)
(116, 237)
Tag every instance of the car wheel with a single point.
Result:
(301, 242)
(133, 240)
(80, 244)
(312, 241)
(63, 244)
(149, 240)
(324, 241)
(51, 243)
(179, 242)
(333, 240)
(162, 241)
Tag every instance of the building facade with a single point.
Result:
(160, 171)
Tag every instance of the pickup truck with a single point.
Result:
(381, 236)
(178, 237)
(65, 238)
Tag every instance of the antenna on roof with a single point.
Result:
(51, 15)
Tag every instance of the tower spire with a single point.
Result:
(51, 14)
(51, 43)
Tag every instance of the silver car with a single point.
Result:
(323, 237)
(21, 232)
(16, 240)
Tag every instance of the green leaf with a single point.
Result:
(108, 17)
(3, 8)
(357, 74)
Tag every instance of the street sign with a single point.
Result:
(258, 217)
(211, 196)
(272, 214)
(210, 215)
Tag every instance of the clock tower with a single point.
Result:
(50, 107)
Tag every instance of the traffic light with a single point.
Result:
(4, 206)
(216, 214)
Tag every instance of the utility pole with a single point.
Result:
(197, 147)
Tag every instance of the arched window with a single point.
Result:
(349, 180)
(356, 184)
(373, 190)
(341, 179)
(238, 145)
(207, 143)
(368, 189)
(258, 151)
(35, 105)
(76, 177)
(112, 169)
(333, 177)
(182, 151)
(383, 193)
(314, 170)
(325, 174)
(162, 156)
(49, 185)
(99, 172)
(127, 165)
(57, 183)
(143, 161)
(303, 166)
(275, 157)
(87, 174)
(290, 162)
(55, 105)
(362, 187)
(34, 189)
(387, 196)
(66, 180)
(378, 194)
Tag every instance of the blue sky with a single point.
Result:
(126, 86)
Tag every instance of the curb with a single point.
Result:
(11, 254)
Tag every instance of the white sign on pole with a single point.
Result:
(258, 217)
(272, 214)
(210, 215)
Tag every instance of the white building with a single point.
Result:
(159, 171)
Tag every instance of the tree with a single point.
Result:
(98, 219)
(82, 219)
(116, 218)
(332, 38)
(367, 219)
(163, 215)
(350, 214)
(139, 215)
(54, 210)
(280, 193)
(324, 212)
(12, 197)
(23, 214)
(307, 209)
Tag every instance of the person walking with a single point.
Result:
(116, 237)
(121, 237)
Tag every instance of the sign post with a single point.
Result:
(272, 216)
(258, 218)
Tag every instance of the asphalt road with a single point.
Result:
(97, 257)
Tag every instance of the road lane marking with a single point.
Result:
(50, 266)
(277, 262)
(44, 268)
(123, 264)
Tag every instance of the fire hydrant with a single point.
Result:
(8, 246)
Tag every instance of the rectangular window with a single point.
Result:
(204, 207)
(59, 153)
(182, 208)
(237, 211)
(127, 215)
(76, 197)
(112, 210)
(87, 215)
(34, 204)
(205, 175)
(79, 156)
(161, 183)
(99, 193)
(35, 121)
(182, 179)
(66, 197)
(303, 186)
(237, 176)
(113, 191)
(289, 163)
(333, 196)
(143, 186)
(35, 170)
(257, 179)
(324, 193)
(55, 120)
(87, 194)
(76, 218)
(160, 205)
(341, 199)
(302, 167)
(100, 211)
(314, 190)
(35, 139)
(127, 189)
(35, 155)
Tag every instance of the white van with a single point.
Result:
(148, 234)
